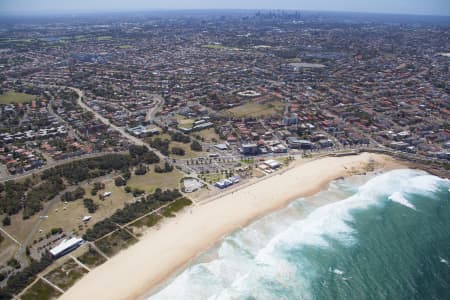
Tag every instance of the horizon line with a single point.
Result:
(44, 12)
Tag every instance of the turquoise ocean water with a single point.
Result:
(387, 238)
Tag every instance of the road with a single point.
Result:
(56, 163)
(10, 236)
(72, 132)
(122, 131)
(159, 102)
(44, 212)
(20, 253)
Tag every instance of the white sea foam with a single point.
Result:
(338, 272)
(256, 255)
(425, 183)
(398, 197)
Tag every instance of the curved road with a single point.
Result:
(122, 131)
(154, 110)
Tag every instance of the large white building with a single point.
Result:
(66, 246)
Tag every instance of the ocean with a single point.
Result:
(388, 237)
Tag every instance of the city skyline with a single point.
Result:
(418, 7)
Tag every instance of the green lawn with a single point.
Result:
(104, 38)
(13, 97)
(213, 177)
(7, 40)
(150, 181)
(187, 149)
(169, 211)
(208, 134)
(185, 122)
(256, 109)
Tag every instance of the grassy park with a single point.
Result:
(209, 135)
(125, 47)
(188, 153)
(14, 97)
(252, 109)
(185, 122)
(150, 181)
(68, 216)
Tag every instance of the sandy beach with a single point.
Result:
(160, 253)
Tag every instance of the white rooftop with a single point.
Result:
(65, 244)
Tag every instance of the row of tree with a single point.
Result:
(76, 194)
(43, 192)
(21, 279)
(30, 194)
(161, 145)
(90, 168)
(166, 169)
(180, 137)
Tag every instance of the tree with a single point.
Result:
(126, 175)
(196, 146)
(13, 263)
(161, 145)
(178, 151)
(56, 230)
(6, 221)
(19, 280)
(90, 205)
(167, 168)
(97, 186)
(180, 137)
(138, 192)
(140, 170)
(78, 193)
(119, 181)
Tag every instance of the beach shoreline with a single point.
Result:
(142, 269)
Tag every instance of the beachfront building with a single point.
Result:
(235, 179)
(66, 246)
(273, 164)
(223, 184)
(228, 182)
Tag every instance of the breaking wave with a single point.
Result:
(336, 251)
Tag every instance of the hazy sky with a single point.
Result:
(440, 7)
